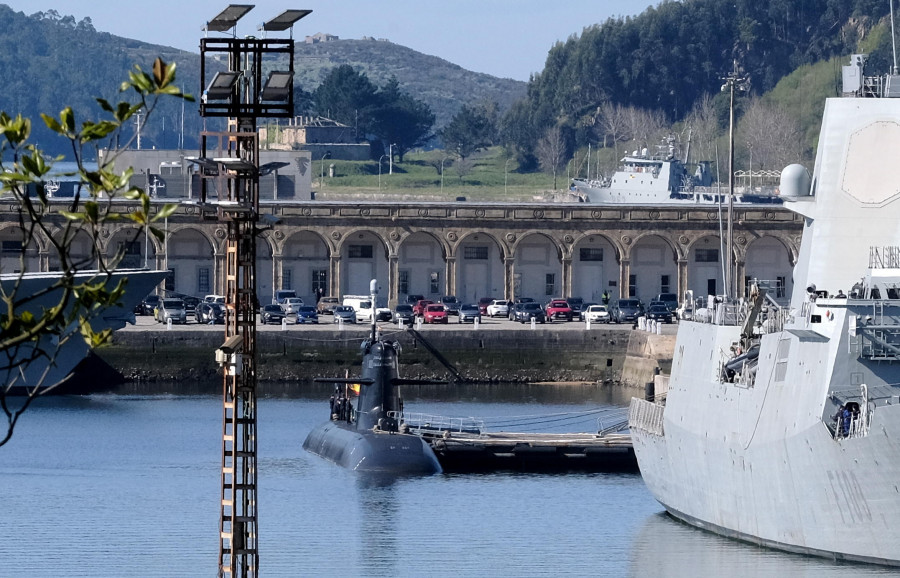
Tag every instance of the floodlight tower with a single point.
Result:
(229, 192)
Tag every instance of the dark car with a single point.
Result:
(525, 312)
(149, 304)
(659, 313)
(344, 314)
(451, 304)
(307, 314)
(405, 313)
(626, 310)
(271, 314)
(208, 312)
(190, 307)
(515, 304)
(576, 304)
(469, 312)
(413, 299)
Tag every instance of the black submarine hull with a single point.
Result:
(372, 451)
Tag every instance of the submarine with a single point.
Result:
(371, 437)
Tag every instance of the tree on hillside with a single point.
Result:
(772, 136)
(349, 97)
(401, 120)
(704, 129)
(25, 327)
(472, 129)
(552, 152)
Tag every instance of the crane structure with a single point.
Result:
(251, 78)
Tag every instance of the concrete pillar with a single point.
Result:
(624, 273)
(277, 272)
(334, 274)
(393, 280)
(450, 277)
(566, 277)
(682, 277)
(509, 277)
(740, 268)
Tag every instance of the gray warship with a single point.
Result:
(371, 437)
(781, 425)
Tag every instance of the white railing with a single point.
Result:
(646, 416)
(422, 421)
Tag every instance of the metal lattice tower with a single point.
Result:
(229, 192)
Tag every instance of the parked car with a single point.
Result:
(659, 313)
(190, 306)
(172, 309)
(525, 312)
(404, 312)
(413, 299)
(597, 314)
(291, 305)
(627, 310)
(419, 307)
(469, 312)
(670, 300)
(515, 304)
(326, 305)
(307, 314)
(281, 295)
(559, 309)
(576, 304)
(451, 304)
(271, 314)
(435, 313)
(149, 304)
(210, 312)
(344, 314)
(214, 298)
(483, 304)
(498, 308)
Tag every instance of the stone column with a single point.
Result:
(509, 276)
(334, 274)
(682, 278)
(624, 273)
(393, 280)
(450, 276)
(566, 277)
(740, 268)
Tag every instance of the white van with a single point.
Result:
(362, 304)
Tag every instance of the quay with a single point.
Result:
(465, 452)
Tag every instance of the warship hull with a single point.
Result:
(372, 451)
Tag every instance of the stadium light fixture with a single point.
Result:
(278, 86)
(284, 20)
(222, 86)
(227, 19)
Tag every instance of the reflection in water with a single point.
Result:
(667, 547)
(378, 516)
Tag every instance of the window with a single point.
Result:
(664, 284)
(706, 256)
(170, 280)
(320, 282)
(360, 251)
(403, 282)
(435, 282)
(12, 247)
(203, 280)
(475, 252)
(287, 278)
(632, 285)
(550, 284)
(590, 254)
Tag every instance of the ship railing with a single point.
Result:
(860, 418)
(423, 422)
(646, 416)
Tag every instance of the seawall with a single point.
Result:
(515, 355)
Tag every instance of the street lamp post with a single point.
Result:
(379, 171)
(506, 177)
(391, 158)
(732, 81)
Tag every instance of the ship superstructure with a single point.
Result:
(781, 425)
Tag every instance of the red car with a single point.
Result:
(559, 309)
(435, 313)
(483, 303)
(419, 307)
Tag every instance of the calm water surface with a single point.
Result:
(128, 486)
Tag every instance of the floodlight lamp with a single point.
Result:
(227, 19)
(284, 20)
(278, 86)
(222, 86)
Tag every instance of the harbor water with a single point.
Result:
(124, 486)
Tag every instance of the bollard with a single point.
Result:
(400, 322)
(284, 323)
(533, 323)
(587, 324)
(340, 323)
(640, 321)
(419, 323)
(476, 323)
(659, 328)
(169, 324)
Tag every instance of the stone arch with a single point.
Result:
(139, 248)
(480, 267)
(652, 267)
(12, 244)
(80, 250)
(769, 258)
(189, 256)
(537, 266)
(361, 261)
(304, 265)
(421, 265)
(704, 266)
(595, 264)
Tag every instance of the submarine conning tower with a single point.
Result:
(378, 392)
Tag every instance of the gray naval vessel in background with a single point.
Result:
(781, 426)
(371, 437)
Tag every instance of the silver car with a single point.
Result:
(171, 309)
